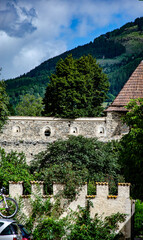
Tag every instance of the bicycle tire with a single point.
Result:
(12, 208)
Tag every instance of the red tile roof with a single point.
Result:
(132, 89)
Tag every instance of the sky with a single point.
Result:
(32, 31)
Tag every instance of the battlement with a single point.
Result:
(103, 203)
(37, 187)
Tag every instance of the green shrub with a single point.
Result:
(138, 221)
(13, 167)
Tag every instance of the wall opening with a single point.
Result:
(47, 132)
(16, 129)
(101, 130)
(74, 130)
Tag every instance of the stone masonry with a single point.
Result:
(31, 134)
(103, 203)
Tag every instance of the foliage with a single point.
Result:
(131, 154)
(50, 229)
(76, 160)
(138, 219)
(13, 167)
(4, 101)
(44, 224)
(40, 210)
(106, 48)
(29, 106)
(119, 53)
(77, 89)
(86, 228)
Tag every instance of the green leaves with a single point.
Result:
(13, 167)
(77, 160)
(77, 225)
(131, 154)
(138, 220)
(4, 101)
(86, 228)
(77, 89)
(29, 106)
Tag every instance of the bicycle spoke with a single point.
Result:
(9, 210)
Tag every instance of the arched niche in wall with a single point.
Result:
(47, 131)
(16, 130)
(101, 131)
(74, 130)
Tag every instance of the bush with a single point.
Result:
(138, 221)
(13, 167)
(77, 160)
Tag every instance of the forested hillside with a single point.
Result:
(118, 52)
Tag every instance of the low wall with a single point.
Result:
(103, 203)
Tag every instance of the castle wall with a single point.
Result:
(103, 203)
(31, 134)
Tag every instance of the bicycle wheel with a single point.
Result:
(11, 210)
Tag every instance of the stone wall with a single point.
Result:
(31, 134)
(103, 203)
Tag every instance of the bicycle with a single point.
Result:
(8, 206)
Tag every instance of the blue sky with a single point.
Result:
(32, 31)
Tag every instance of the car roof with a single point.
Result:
(5, 222)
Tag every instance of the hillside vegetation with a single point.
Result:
(118, 52)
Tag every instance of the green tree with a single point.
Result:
(77, 225)
(138, 219)
(86, 228)
(131, 154)
(13, 167)
(4, 101)
(77, 89)
(76, 160)
(29, 106)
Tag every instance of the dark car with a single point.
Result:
(25, 234)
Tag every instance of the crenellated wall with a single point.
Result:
(103, 203)
(31, 134)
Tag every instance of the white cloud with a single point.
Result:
(34, 30)
(33, 54)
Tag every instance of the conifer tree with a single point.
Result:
(77, 89)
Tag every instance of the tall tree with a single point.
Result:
(29, 106)
(13, 167)
(77, 89)
(132, 147)
(4, 101)
(76, 160)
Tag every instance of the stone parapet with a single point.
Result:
(31, 134)
(103, 203)
(15, 189)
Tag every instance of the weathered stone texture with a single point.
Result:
(31, 134)
(103, 203)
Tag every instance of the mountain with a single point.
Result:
(118, 52)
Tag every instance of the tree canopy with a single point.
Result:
(77, 89)
(13, 167)
(76, 160)
(4, 101)
(29, 106)
(131, 154)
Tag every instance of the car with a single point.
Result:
(9, 230)
(25, 234)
